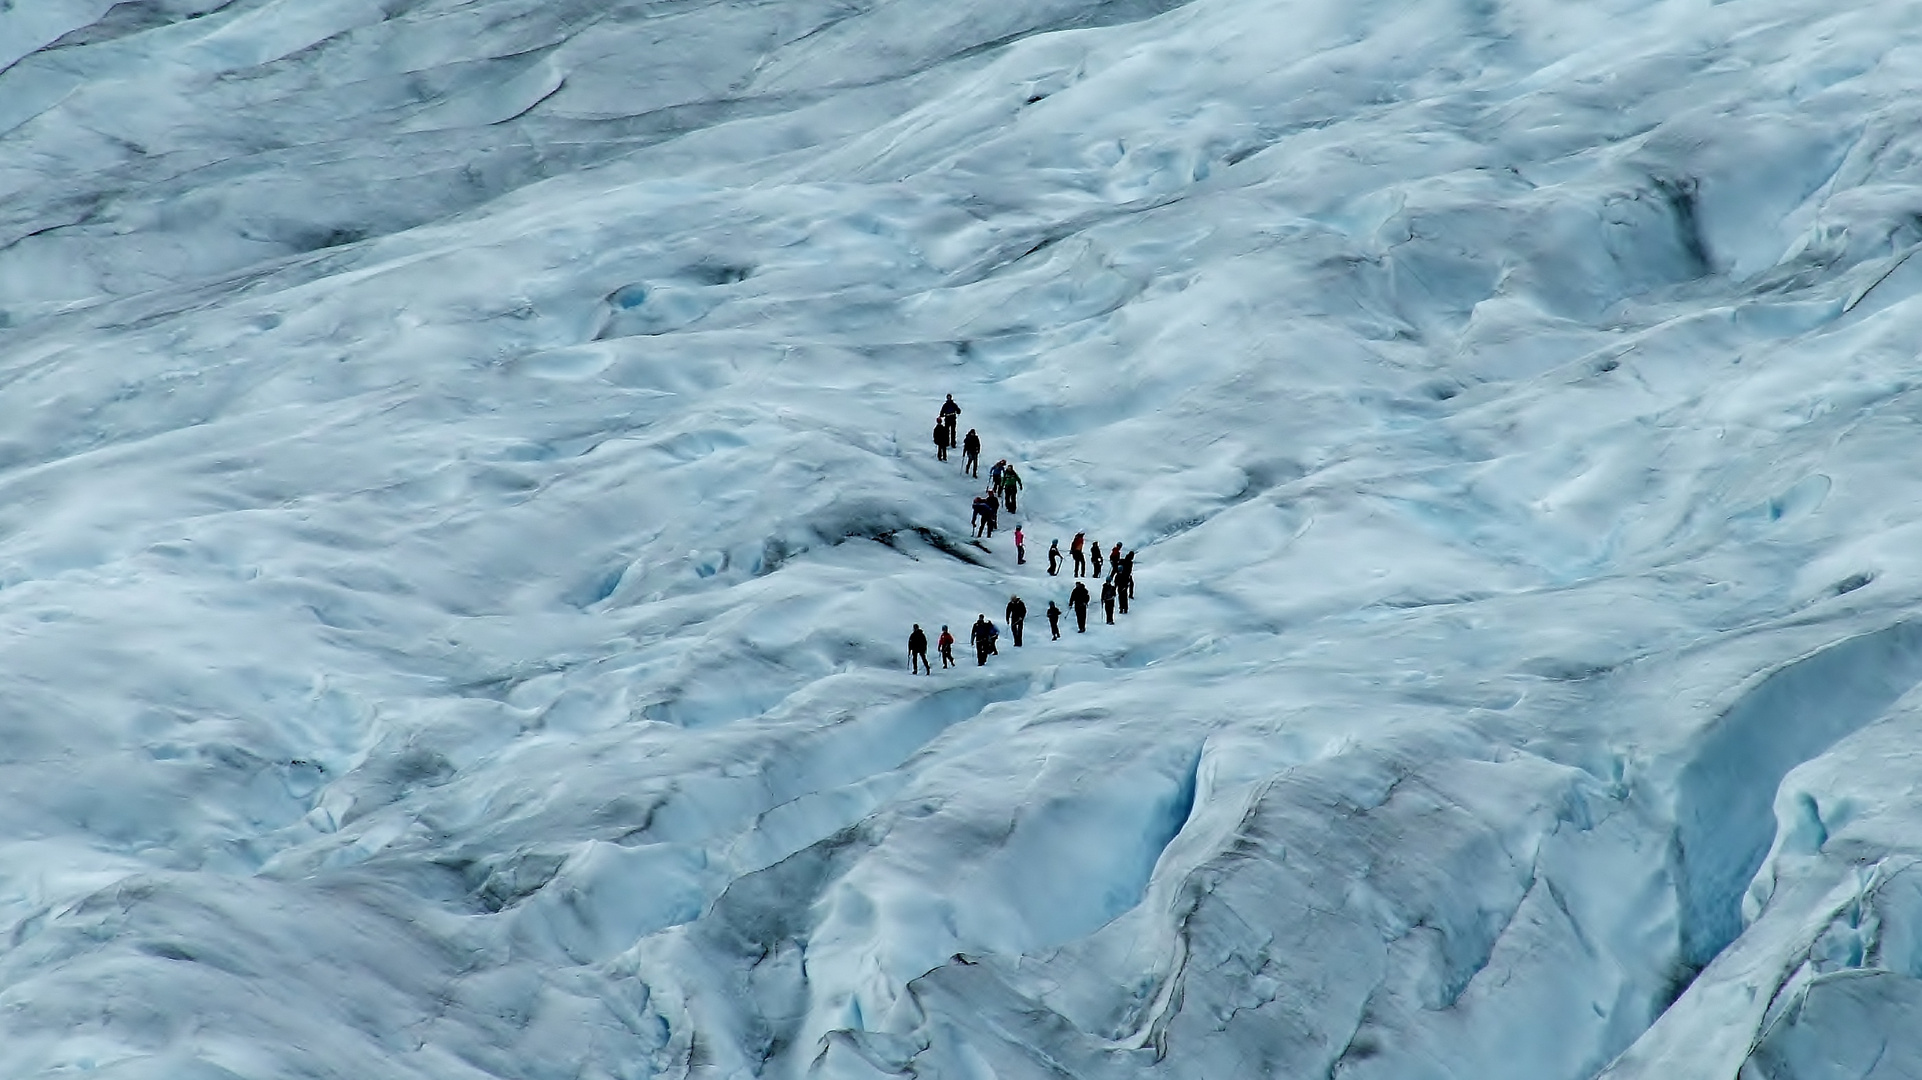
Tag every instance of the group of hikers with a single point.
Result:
(1004, 483)
(1117, 585)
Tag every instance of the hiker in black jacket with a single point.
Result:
(983, 635)
(950, 414)
(1078, 600)
(918, 651)
(1017, 614)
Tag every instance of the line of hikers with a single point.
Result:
(1003, 481)
(1117, 587)
(1084, 551)
(985, 635)
(1002, 486)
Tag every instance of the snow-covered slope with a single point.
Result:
(465, 485)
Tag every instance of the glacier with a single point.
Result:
(465, 485)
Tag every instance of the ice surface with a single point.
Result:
(465, 484)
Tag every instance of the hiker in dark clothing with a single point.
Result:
(1054, 620)
(1010, 483)
(983, 506)
(994, 640)
(918, 651)
(994, 477)
(1107, 599)
(983, 635)
(1129, 562)
(1078, 600)
(950, 414)
(1114, 556)
(943, 438)
(947, 648)
(1120, 578)
(1054, 558)
(1017, 614)
(1076, 552)
(1094, 554)
(971, 454)
(990, 515)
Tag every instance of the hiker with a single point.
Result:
(947, 648)
(1095, 554)
(1129, 562)
(1119, 575)
(943, 438)
(1078, 600)
(1054, 556)
(980, 518)
(1017, 614)
(990, 514)
(1075, 552)
(1054, 621)
(1010, 483)
(983, 640)
(1020, 546)
(994, 640)
(1114, 556)
(994, 476)
(950, 413)
(1107, 599)
(918, 652)
(971, 454)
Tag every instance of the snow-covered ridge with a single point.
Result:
(465, 486)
